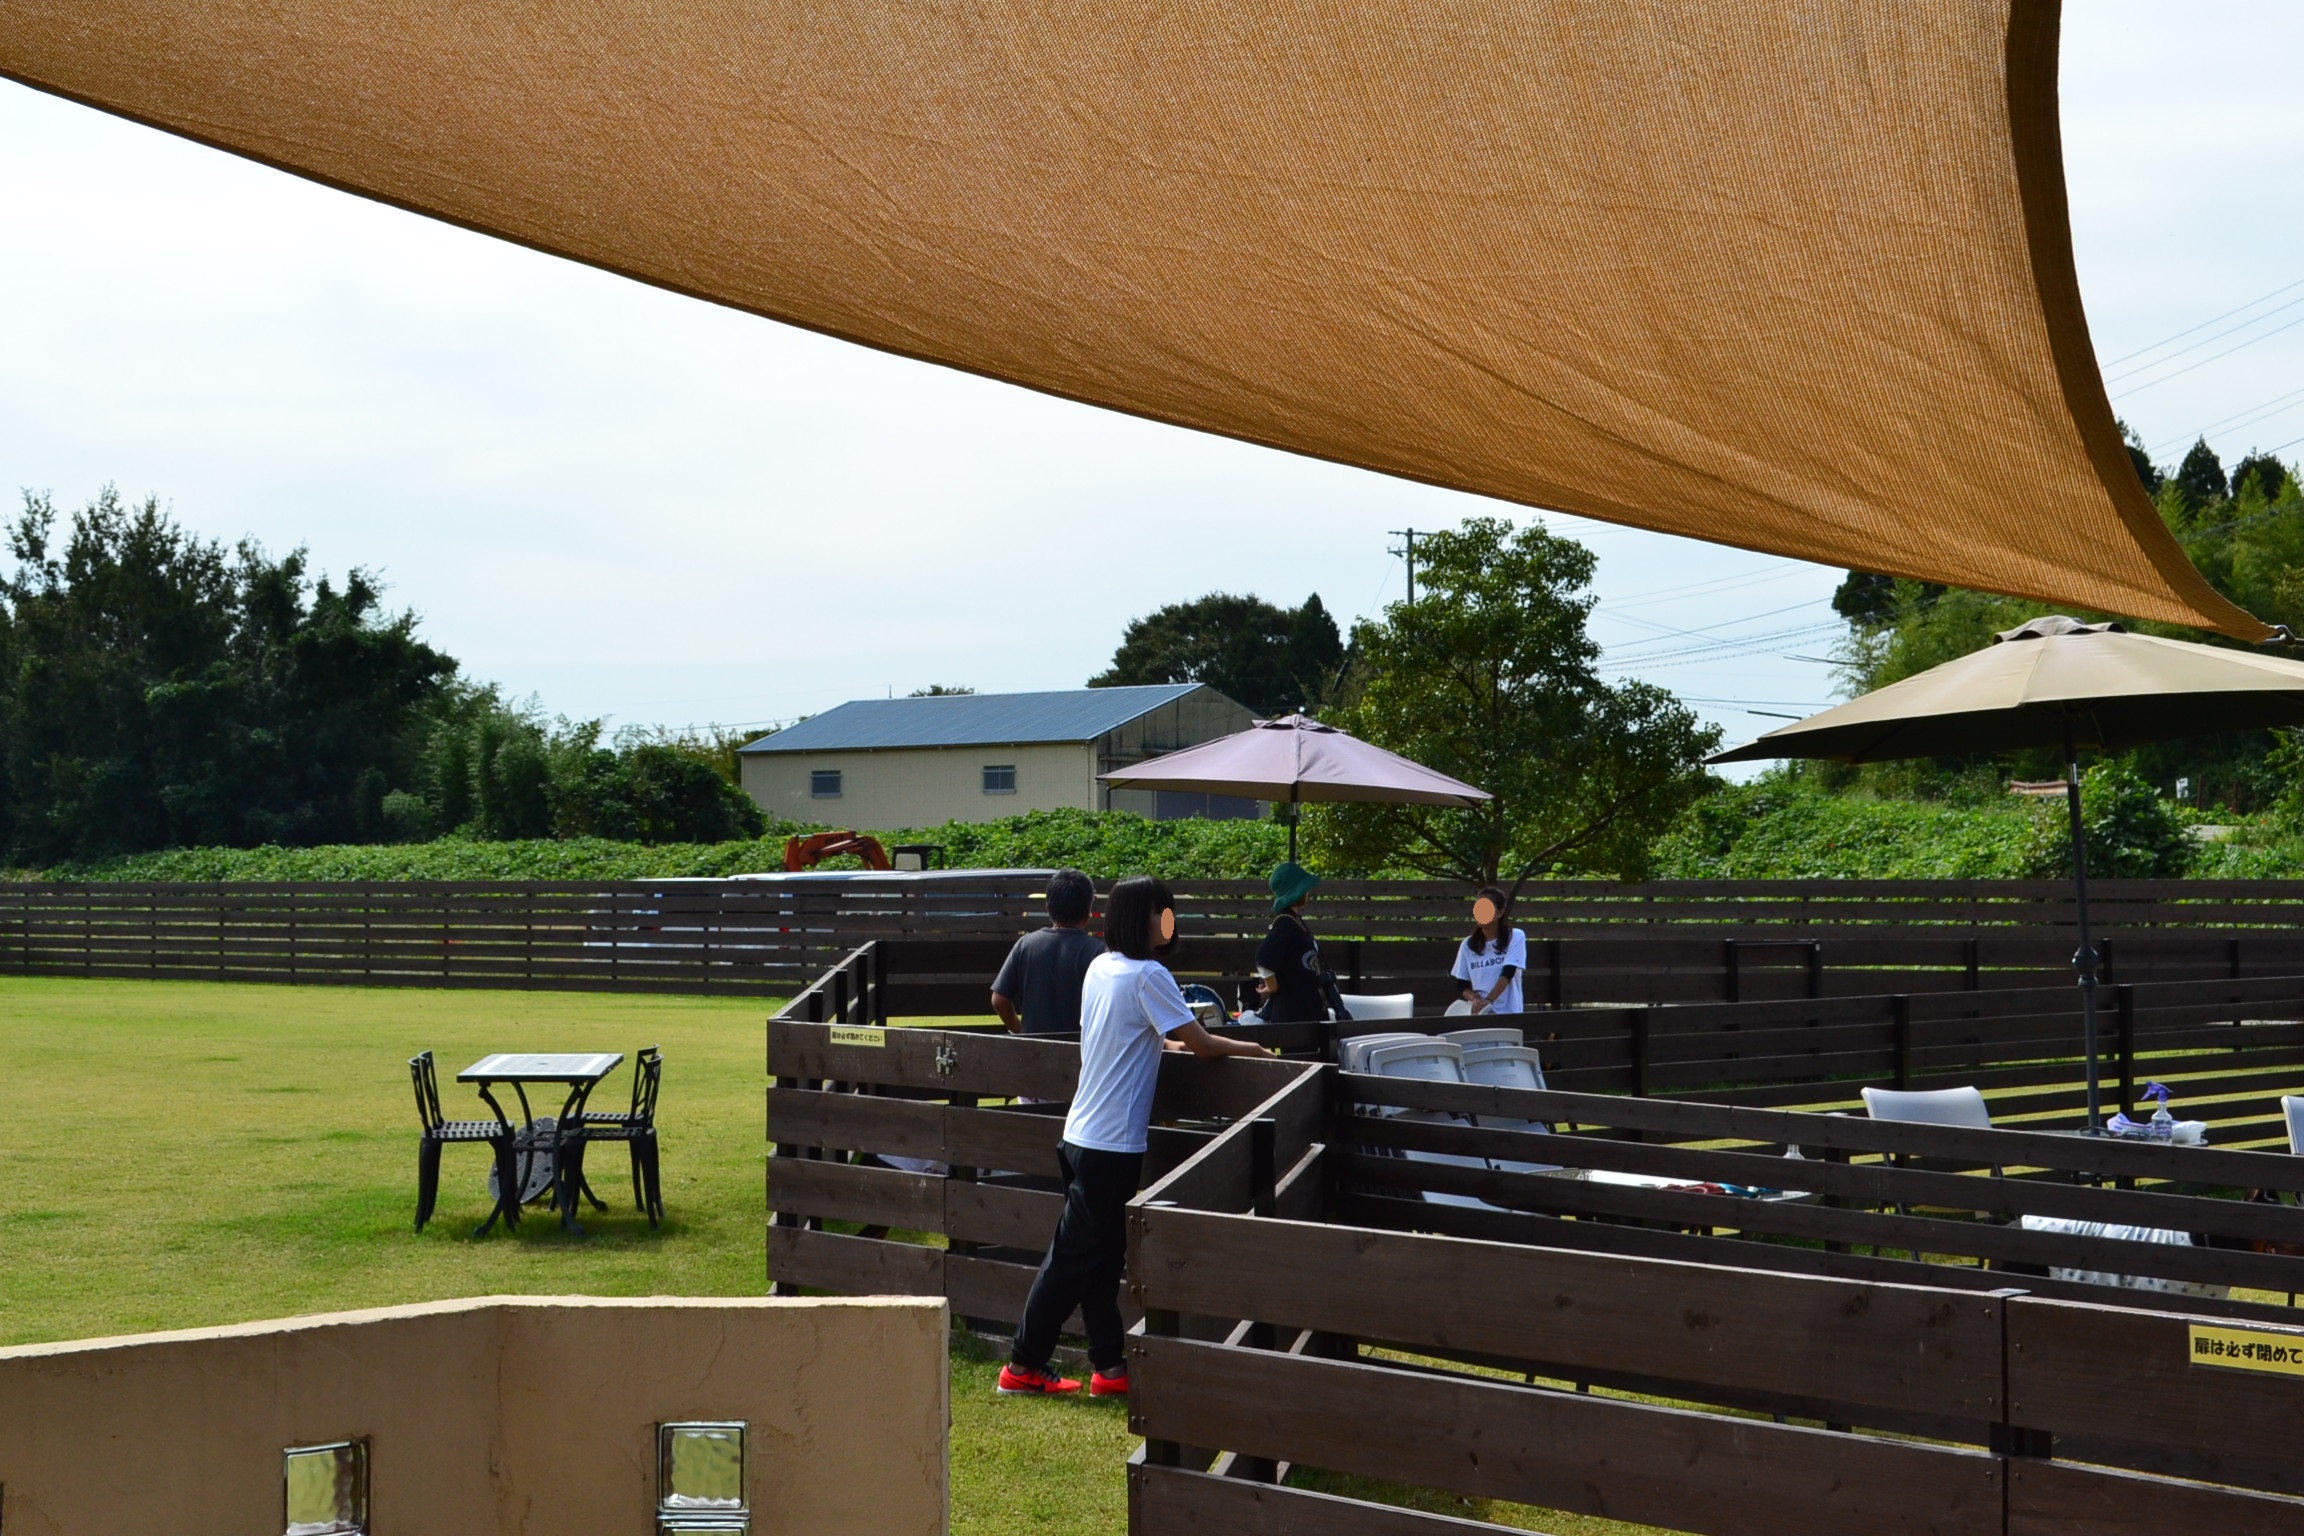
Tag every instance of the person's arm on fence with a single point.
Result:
(1194, 1037)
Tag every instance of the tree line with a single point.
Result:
(159, 690)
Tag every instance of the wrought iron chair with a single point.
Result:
(636, 1128)
(439, 1131)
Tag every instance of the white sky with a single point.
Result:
(640, 506)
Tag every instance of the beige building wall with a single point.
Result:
(501, 1416)
(922, 786)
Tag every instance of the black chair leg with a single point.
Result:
(639, 1189)
(427, 1179)
(646, 1145)
(568, 1176)
(507, 1190)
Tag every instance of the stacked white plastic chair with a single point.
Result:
(1507, 1064)
(1429, 1059)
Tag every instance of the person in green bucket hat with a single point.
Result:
(1302, 990)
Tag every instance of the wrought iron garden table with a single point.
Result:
(540, 1139)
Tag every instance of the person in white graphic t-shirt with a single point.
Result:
(1489, 963)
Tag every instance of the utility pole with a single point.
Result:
(1406, 549)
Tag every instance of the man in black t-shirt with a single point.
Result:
(1038, 989)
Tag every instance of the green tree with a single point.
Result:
(1490, 677)
(160, 691)
(1274, 660)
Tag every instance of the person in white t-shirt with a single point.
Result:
(1130, 1010)
(1489, 963)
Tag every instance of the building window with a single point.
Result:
(824, 784)
(999, 778)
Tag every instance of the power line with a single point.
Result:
(2203, 325)
(1703, 629)
(2203, 341)
(1619, 653)
(2211, 358)
(2275, 406)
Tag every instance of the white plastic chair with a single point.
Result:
(1458, 1009)
(1352, 1051)
(1929, 1106)
(1378, 1005)
(1429, 1059)
(1508, 1066)
(2293, 1109)
(1475, 1039)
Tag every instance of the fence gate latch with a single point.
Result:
(946, 1058)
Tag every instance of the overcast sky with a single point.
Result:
(643, 507)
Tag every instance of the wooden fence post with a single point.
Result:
(2124, 1001)
(1900, 1011)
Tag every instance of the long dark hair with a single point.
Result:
(1128, 915)
(1479, 940)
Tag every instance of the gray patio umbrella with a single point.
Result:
(2053, 682)
(1294, 759)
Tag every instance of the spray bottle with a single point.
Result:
(2163, 1123)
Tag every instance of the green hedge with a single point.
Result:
(1108, 846)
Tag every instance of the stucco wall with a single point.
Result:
(922, 786)
(500, 1416)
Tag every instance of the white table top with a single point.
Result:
(544, 1067)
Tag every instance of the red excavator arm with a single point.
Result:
(806, 852)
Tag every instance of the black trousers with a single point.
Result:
(1085, 1259)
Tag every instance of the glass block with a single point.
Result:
(327, 1488)
(700, 1468)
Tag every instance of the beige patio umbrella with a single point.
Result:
(2053, 682)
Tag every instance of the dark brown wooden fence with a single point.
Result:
(1594, 942)
(1679, 1357)
(1455, 1365)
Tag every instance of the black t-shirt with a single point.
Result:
(1293, 957)
(1042, 976)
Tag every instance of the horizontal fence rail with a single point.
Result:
(1863, 1197)
(1591, 941)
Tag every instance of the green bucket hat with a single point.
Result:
(1291, 883)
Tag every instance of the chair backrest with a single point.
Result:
(1503, 1066)
(1458, 1009)
(1429, 1059)
(1352, 1050)
(2293, 1109)
(647, 1077)
(1379, 1005)
(427, 1083)
(1929, 1106)
(1470, 1038)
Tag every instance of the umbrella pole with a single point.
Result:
(2084, 958)
(1293, 813)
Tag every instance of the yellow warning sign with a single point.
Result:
(2248, 1349)
(844, 1035)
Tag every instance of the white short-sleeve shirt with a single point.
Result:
(1126, 1008)
(1479, 971)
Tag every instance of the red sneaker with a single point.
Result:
(1022, 1380)
(1109, 1383)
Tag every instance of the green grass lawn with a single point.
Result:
(181, 1154)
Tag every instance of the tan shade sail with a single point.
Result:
(1792, 276)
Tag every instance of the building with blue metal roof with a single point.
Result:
(880, 763)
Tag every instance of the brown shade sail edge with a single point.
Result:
(1793, 279)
